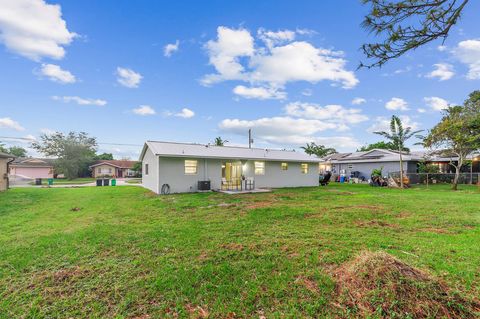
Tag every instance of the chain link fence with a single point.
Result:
(438, 178)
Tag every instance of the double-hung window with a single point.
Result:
(304, 168)
(191, 167)
(259, 168)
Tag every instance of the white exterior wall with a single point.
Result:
(275, 177)
(171, 171)
(150, 180)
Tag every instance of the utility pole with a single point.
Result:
(250, 140)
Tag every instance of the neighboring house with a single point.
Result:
(5, 159)
(29, 168)
(363, 163)
(117, 168)
(182, 166)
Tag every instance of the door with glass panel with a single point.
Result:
(231, 175)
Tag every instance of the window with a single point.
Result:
(99, 170)
(109, 171)
(284, 166)
(146, 169)
(259, 168)
(350, 166)
(304, 168)
(191, 167)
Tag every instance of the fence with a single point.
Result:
(438, 178)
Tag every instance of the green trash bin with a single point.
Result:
(50, 181)
(114, 182)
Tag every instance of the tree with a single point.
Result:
(219, 142)
(17, 151)
(458, 133)
(428, 168)
(3, 149)
(104, 157)
(405, 25)
(398, 136)
(73, 151)
(378, 145)
(318, 150)
(137, 167)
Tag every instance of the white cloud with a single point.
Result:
(442, 71)
(144, 110)
(259, 93)
(284, 130)
(468, 52)
(397, 104)
(358, 101)
(185, 113)
(8, 123)
(436, 103)
(34, 29)
(128, 77)
(307, 92)
(330, 113)
(382, 123)
(421, 110)
(47, 131)
(56, 74)
(301, 61)
(442, 48)
(224, 54)
(235, 57)
(170, 48)
(79, 100)
(272, 38)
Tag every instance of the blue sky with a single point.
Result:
(130, 71)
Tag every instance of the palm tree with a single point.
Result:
(398, 136)
(219, 142)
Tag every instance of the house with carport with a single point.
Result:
(187, 167)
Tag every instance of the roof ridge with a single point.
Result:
(213, 145)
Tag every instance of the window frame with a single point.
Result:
(262, 167)
(284, 166)
(146, 168)
(190, 166)
(304, 168)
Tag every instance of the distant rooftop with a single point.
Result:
(173, 149)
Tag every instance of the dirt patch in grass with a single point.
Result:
(375, 223)
(308, 283)
(259, 204)
(380, 285)
(196, 311)
(233, 246)
(436, 230)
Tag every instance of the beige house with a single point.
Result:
(5, 159)
(113, 168)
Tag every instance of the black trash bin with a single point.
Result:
(99, 182)
(38, 181)
(106, 182)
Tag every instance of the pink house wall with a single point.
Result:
(33, 172)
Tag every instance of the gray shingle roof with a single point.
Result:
(5, 155)
(170, 149)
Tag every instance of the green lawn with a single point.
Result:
(123, 252)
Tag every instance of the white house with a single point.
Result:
(182, 166)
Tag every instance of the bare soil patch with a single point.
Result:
(380, 285)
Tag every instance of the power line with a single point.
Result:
(100, 143)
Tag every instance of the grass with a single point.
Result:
(124, 252)
(64, 181)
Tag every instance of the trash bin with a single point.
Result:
(99, 182)
(342, 179)
(114, 182)
(50, 181)
(38, 181)
(106, 182)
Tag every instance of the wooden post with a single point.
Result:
(427, 180)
